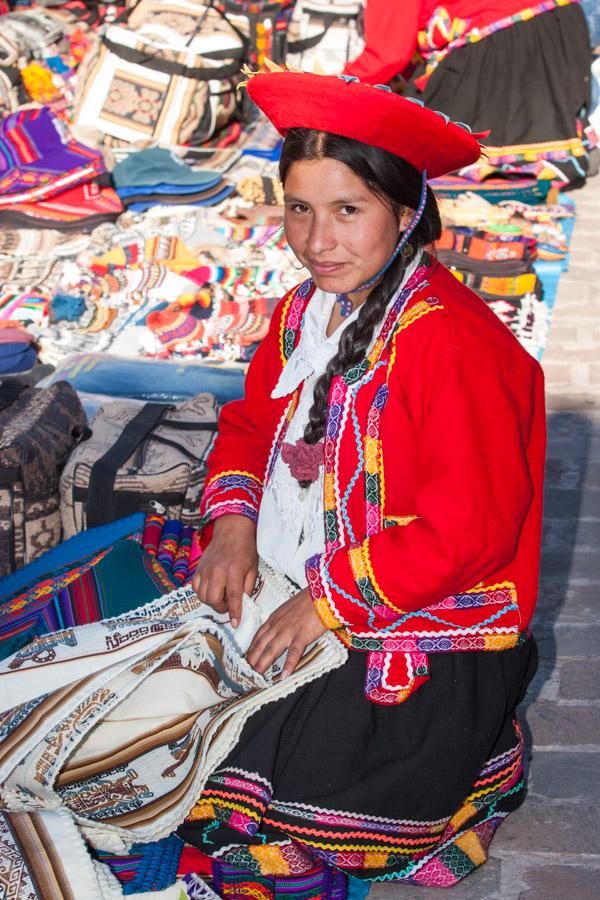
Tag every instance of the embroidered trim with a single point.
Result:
(444, 34)
(231, 492)
(291, 320)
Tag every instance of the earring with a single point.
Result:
(297, 268)
(407, 251)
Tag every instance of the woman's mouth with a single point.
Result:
(323, 268)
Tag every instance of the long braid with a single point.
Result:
(401, 186)
(353, 346)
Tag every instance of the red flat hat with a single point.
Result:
(369, 113)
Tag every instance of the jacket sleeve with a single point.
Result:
(237, 463)
(390, 40)
(473, 414)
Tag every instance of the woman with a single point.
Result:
(383, 472)
(521, 65)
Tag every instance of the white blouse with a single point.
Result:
(290, 526)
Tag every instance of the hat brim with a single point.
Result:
(426, 139)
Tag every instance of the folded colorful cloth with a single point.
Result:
(213, 200)
(81, 207)
(38, 159)
(97, 574)
(141, 195)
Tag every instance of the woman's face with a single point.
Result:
(341, 231)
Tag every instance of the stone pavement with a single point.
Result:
(549, 849)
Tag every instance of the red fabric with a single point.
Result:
(391, 30)
(73, 205)
(378, 117)
(463, 441)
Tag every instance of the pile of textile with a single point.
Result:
(511, 253)
(164, 238)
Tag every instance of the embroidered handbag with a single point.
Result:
(38, 429)
(168, 76)
(148, 458)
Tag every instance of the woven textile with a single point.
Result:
(156, 698)
(129, 90)
(37, 159)
(79, 208)
(101, 573)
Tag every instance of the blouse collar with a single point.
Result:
(315, 348)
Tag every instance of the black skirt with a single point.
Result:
(412, 792)
(529, 83)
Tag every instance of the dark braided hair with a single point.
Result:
(398, 184)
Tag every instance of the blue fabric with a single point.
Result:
(357, 889)
(16, 357)
(592, 14)
(67, 307)
(211, 201)
(160, 380)
(166, 188)
(158, 865)
(80, 545)
(157, 166)
(17, 642)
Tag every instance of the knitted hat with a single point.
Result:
(158, 166)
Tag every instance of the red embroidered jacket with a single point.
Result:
(434, 457)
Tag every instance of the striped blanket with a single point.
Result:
(136, 711)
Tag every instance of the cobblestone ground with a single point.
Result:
(550, 848)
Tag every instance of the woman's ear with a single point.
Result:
(406, 214)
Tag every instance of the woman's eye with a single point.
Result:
(297, 207)
(347, 210)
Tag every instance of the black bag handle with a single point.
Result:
(189, 426)
(307, 43)
(10, 389)
(170, 67)
(99, 507)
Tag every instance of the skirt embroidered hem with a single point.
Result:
(411, 793)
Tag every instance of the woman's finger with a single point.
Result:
(215, 590)
(267, 646)
(250, 580)
(259, 641)
(234, 595)
(197, 585)
(271, 651)
(293, 657)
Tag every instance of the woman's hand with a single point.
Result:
(292, 627)
(228, 567)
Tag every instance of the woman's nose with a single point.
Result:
(321, 237)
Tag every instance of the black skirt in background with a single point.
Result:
(529, 83)
(411, 792)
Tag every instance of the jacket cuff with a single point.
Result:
(231, 493)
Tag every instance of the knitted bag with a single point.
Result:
(140, 458)
(38, 429)
(168, 75)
